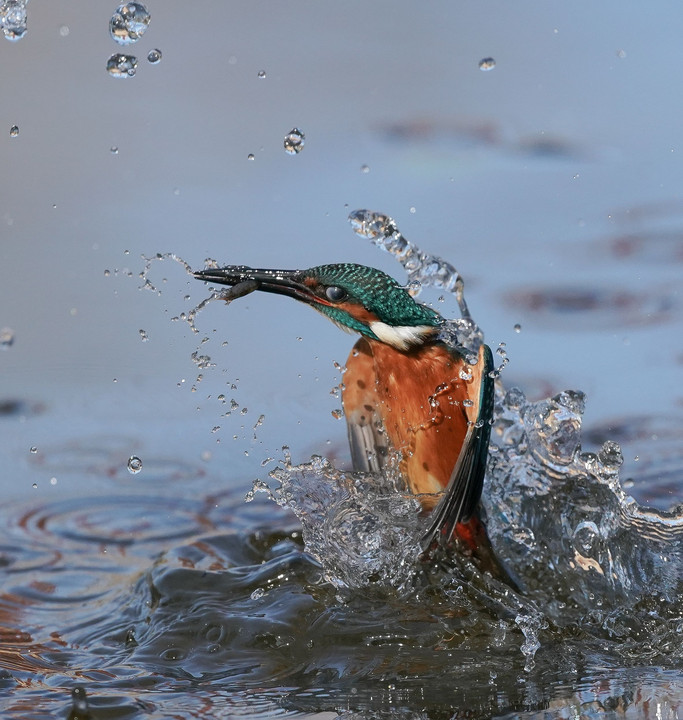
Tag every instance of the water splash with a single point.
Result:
(560, 517)
(13, 19)
(423, 270)
(359, 527)
(583, 553)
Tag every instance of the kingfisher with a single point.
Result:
(404, 390)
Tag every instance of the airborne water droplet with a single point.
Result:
(294, 141)
(262, 74)
(517, 328)
(129, 23)
(6, 338)
(122, 66)
(143, 335)
(154, 56)
(14, 131)
(487, 64)
(13, 19)
(134, 465)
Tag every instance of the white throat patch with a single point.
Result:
(401, 337)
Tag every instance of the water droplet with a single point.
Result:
(64, 30)
(365, 169)
(122, 66)
(6, 338)
(130, 639)
(154, 56)
(337, 414)
(143, 335)
(35, 486)
(53, 481)
(294, 141)
(129, 23)
(33, 450)
(611, 457)
(13, 19)
(251, 156)
(515, 399)
(14, 131)
(262, 74)
(517, 328)
(414, 287)
(258, 593)
(134, 464)
(487, 64)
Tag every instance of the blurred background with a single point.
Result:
(552, 180)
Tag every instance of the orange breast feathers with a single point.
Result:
(421, 400)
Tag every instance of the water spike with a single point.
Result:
(422, 268)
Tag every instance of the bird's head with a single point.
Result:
(355, 297)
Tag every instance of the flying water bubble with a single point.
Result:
(122, 66)
(6, 338)
(294, 141)
(154, 56)
(14, 131)
(134, 464)
(487, 64)
(129, 23)
(13, 19)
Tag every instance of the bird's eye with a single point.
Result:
(334, 293)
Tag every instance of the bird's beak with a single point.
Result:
(244, 280)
